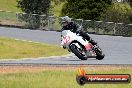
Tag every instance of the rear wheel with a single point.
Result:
(78, 52)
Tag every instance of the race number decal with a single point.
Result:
(66, 39)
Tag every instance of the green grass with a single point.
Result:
(15, 49)
(7, 16)
(9, 5)
(56, 79)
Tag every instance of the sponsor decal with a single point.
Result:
(66, 39)
(84, 78)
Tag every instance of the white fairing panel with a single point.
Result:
(68, 37)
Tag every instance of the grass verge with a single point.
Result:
(7, 16)
(61, 78)
(9, 5)
(10, 48)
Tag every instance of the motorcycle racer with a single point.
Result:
(76, 28)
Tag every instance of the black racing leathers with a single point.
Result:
(74, 28)
(71, 26)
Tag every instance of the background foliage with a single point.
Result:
(34, 6)
(86, 9)
(38, 7)
(119, 13)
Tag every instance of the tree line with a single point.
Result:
(104, 10)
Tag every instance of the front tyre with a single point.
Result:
(78, 52)
(99, 54)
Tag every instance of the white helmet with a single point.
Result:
(66, 19)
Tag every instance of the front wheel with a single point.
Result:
(78, 52)
(99, 54)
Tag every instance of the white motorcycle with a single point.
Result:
(82, 48)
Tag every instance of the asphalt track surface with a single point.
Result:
(118, 49)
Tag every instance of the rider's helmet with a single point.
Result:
(65, 20)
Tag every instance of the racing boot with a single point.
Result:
(88, 38)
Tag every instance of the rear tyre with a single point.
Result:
(76, 51)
